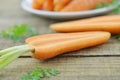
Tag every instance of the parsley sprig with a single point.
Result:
(118, 37)
(18, 33)
(114, 3)
(40, 74)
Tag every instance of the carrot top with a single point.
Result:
(10, 54)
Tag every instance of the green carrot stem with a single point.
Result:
(13, 54)
(2, 52)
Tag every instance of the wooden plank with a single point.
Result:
(72, 68)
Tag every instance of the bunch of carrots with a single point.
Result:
(67, 5)
(82, 34)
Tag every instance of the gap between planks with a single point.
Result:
(76, 56)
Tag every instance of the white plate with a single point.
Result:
(26, 5)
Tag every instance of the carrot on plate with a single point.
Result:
(81, 5)
(50, 45)
(38, 4)
(60, 4)
(48, 5)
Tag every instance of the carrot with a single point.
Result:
(48, 5)
(112, 27)
(62, 44)
(51, 45)
(37, 4)
(64, 26)
(108, 18)
(60, 4)
(81, 5)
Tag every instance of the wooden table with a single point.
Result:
(98, 63)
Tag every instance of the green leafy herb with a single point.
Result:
(118, 37)
(102, 5)
(114, 3)
(40, 74)
(117, 9)
(117, 4)
(18, 33)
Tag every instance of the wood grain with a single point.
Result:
(77, 68)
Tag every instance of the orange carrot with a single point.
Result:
(84, 23)
(48, 5)
(51, 45)
(48, 47)
(112, 27)
(37, 4)
(60, 4)
(108, 18)
(81, 5)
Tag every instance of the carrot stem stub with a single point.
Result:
(10, 54)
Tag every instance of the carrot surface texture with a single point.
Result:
(50, 45)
